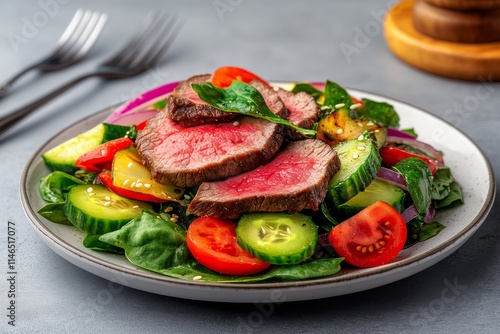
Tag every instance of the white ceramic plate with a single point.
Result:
(461, 154)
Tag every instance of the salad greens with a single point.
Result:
(156, 241)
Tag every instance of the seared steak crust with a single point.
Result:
(295, 179)
(302, 109)
(184, 105)
(188, 156)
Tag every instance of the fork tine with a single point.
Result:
(73, 37)
(158, 48)
(87, 38)
(70, 28)
(136, 40)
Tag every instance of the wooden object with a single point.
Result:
(438, 46)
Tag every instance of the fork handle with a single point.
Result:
(6, 87)
(7, 121)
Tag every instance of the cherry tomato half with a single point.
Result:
(101, 157)
(224, 76)
(107, 181)
(372, 237)
(392, 155)
(213, 243)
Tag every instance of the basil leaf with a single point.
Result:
(418, 178)
(441, 184)
(91, 241)
(160, 105)
(244, 99)
(54, 212)
(455, 196)
(309, 89)
(54, 187)
(430, 230)
(151, 242)
(380, 112)
(336, 94)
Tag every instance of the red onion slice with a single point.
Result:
(424, 147)
(392, 177)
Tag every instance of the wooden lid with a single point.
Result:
(468, 61)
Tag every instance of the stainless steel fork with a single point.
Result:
(73, 45)
(142, 52)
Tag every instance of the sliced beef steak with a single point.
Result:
(295, 179)
(184, 105)
(188, 156)
(302, 111)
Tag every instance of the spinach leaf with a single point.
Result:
(244, 99)
(441, 183)
(54, 212)
(430, 230)
(380, 112)
(317, 268)
(455, 196)
(418, 178)
(151, 242)
(160, 105)
(54, 187)
(154, 243)
(309, 89)
(92, 241)
(336, 95)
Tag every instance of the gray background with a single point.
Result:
(280, 40)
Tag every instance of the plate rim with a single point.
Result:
(458, 239)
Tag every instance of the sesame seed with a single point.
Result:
(197, 278)
(147, 185)
(355, 156)
(175, 216)
(168, 209)
(91, 194)
(138, 185)
(370, 123)
(90, 190)
(107, 203)
(275, 88)
(360, 124)
(125, 182)
(376, 130)
(187, 197)
(135, 207)
(236, 123)
(132, 185)
(325, 107)
(130, 164)
(174, 220)
(340, 131)
(354, 106)
(107, 198)
(103, 152)
(361, 148)
(339, 105)
(361, 137)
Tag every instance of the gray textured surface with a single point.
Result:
(282, 40)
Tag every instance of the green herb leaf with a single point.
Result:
(309, 89)
(380, 112)
(455, 196)
(55, 213)
(91, 241)
(244, 99)
(160, 105)
(54, 187)
(441, 183)
(418, 178)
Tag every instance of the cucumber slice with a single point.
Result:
(63, 156)
(278, 238)
(378, 190)
(97, 210)
(359, 164)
